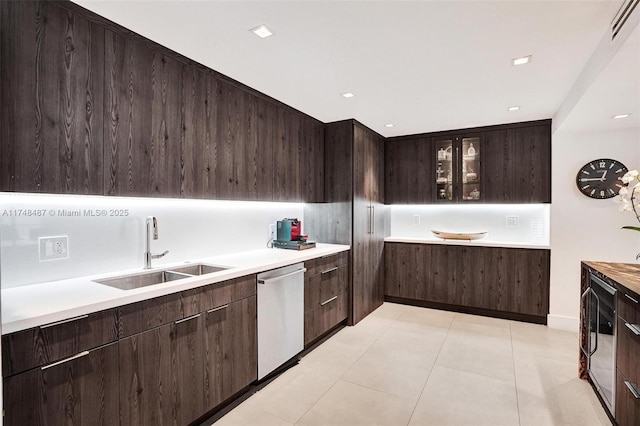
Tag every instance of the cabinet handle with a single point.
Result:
(633, 328)
(373, 220)
(329, 270)
(631, 298)
(64, 321)
(188, 318)
(80, 355)
(633, 389)
(584, 314)
(328, 301)
(370, 219)
(219, 308)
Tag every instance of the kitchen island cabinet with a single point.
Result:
(509, 283)
(620, 371)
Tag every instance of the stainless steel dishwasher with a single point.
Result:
(280, 317)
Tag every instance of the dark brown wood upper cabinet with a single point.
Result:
(511, 164)
(199, 108)
(517, 166)
(142, 129)
(408, 167)
(51, 100)
(243, 159)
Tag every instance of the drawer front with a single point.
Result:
(627, 403)
(324, 317)
(629, 306)
(312, 287)
(225, 292)
(140, 316)
(52, 342)
(628, 350)
(78, 391)
(325, 264)
(321, 287)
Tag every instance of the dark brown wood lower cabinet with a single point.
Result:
(231, 352)
(627, 405)
(326, 299)
(161, 375)
(80, 391)
(495, 279)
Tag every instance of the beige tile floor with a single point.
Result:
(405, 365)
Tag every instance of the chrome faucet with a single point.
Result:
(152, 229)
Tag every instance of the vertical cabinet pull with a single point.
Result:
(80, 355)
(373, 220)
(633, 389)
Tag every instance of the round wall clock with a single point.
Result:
(600, 178)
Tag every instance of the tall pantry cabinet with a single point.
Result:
(354, 211)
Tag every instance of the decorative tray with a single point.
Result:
(459, 235)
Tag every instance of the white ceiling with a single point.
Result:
(616, 90)
(421, 65)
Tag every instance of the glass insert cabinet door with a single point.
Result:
(458, 169)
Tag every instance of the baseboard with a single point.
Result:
(560, 322)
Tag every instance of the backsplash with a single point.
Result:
(107, 234)
(526, 224)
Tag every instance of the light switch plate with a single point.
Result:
(53, 248)
(416, 219)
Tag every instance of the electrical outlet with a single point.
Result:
(53, 248)
(513, 221)
(272, 231)
(416, 219)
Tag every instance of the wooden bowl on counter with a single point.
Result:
(459, 235)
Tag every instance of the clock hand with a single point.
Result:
(590, 179)
(603, 175)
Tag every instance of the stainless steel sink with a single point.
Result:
(143, 279)
(198, 269)
(129, 282)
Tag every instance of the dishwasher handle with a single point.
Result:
(279, 277)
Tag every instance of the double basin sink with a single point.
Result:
(144, 279)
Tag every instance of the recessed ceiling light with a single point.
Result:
(514, 108)
(388, 125)
(262, 31)
(521, 60)
(621, 115)
(348, 95)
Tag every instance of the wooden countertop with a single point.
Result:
(626, 274)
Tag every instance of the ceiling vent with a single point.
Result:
(622, 16)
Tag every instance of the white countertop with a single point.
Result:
(481, 242)
(38, 304)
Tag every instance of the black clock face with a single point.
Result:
(601, 178)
